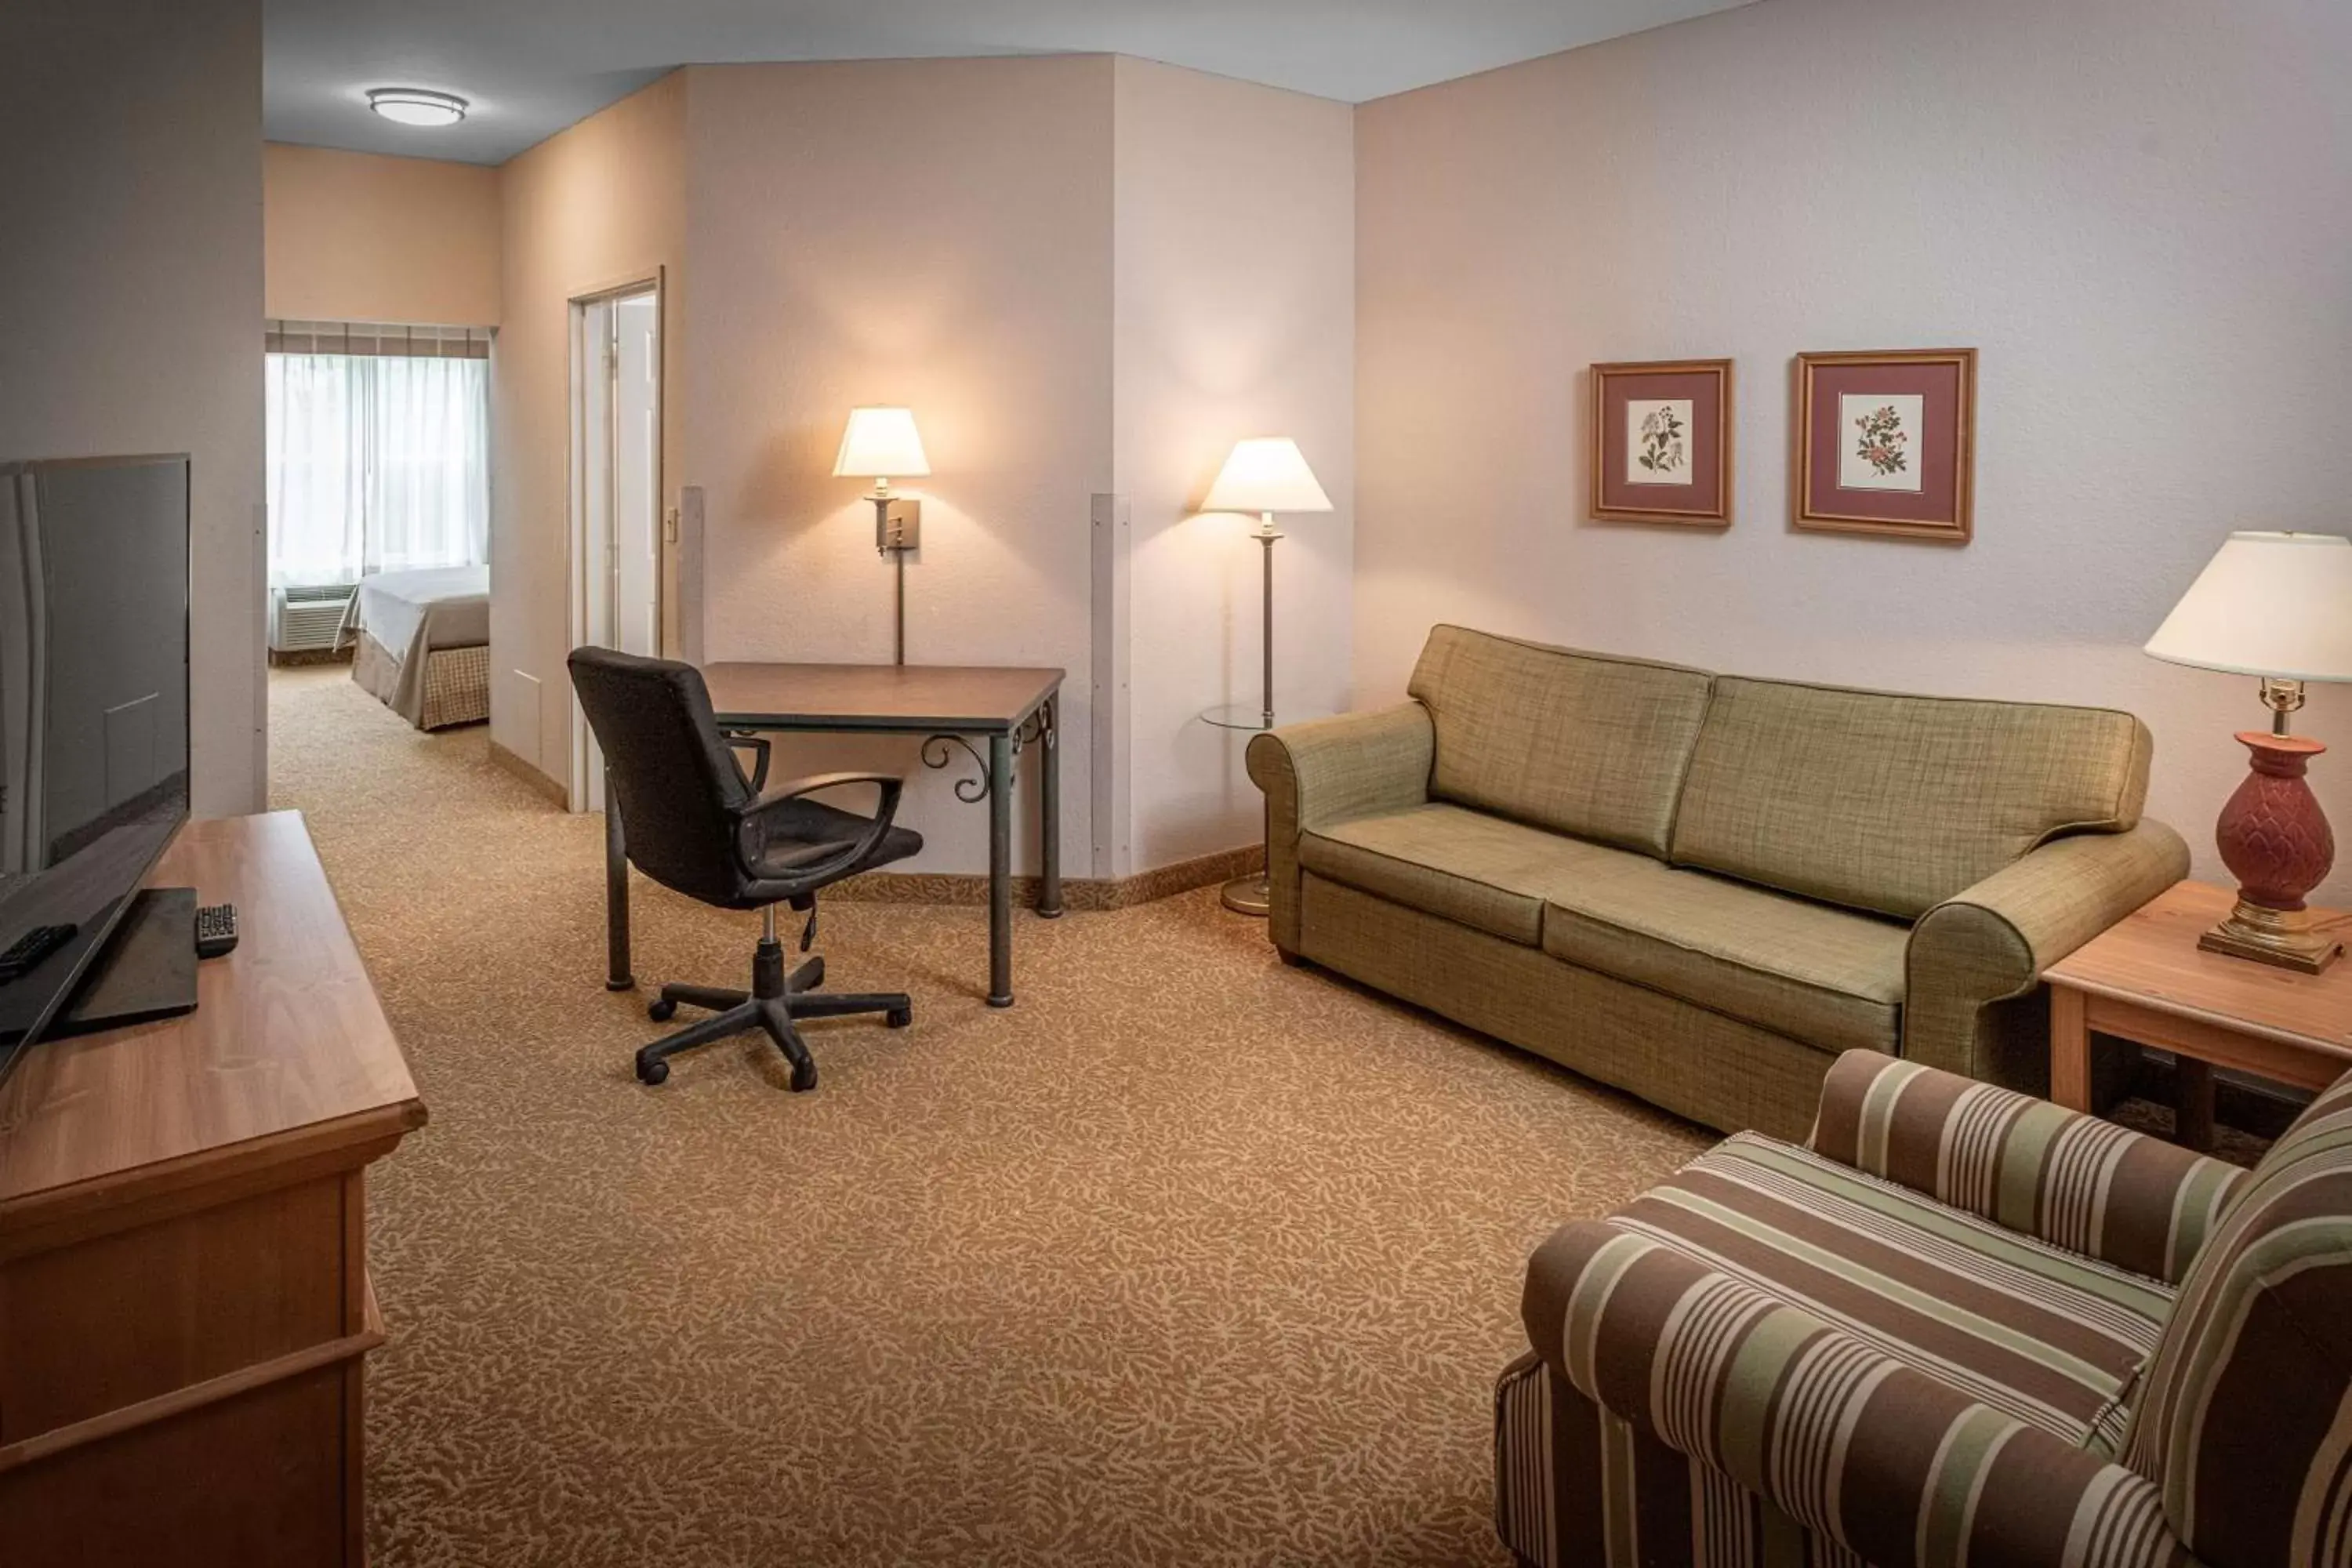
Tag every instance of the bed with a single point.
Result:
(421, 643)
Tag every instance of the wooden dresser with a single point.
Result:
(184, 1306)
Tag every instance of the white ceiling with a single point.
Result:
(534, 67)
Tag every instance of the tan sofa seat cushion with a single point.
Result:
(1577, 742)
(1891, 803)
(1466, 865)
(1827, 976)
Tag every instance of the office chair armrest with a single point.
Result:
(817, 872)
(759, 749)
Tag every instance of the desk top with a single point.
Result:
(287, 1045)
(2151, 958)
(898, 698)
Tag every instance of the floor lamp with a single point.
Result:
(1265, 474)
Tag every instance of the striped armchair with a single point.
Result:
(1961, 1326)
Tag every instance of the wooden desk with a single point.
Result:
(183, 1294)
(2145, 979)
(947, 705)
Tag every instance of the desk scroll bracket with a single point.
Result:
(936, 754)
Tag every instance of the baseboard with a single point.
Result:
(300, 657)
(1088, 893)
(515, 763)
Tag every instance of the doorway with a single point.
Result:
(616, 523)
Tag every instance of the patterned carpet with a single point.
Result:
(1188, 1258)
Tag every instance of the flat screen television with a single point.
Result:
(93, 714)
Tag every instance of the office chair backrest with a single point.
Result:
(679, 790)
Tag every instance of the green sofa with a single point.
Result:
(1701, 888)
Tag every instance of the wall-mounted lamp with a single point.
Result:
(882, 443)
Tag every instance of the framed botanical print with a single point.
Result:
(1662, 442)
(1886, 443)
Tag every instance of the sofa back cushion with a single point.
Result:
(2244, 1418)
(1891, 803)
(1577, 742)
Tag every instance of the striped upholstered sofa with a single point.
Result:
(1962, 1327)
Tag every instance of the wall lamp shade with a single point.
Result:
(881, 443)
(1265, 473)
(416, 105)
(2276, 604)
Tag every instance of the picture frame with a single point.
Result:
(1885, 442)
(1662, 442)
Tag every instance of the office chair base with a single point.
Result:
(770, 1005)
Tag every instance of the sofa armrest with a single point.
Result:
(1895, 1465)
(1329, 770)
(1989, 943)
(2025, 1164)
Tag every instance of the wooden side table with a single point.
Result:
(2145, 980)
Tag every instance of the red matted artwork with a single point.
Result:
(1886, 442)
(1662, 442)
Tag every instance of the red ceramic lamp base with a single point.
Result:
(2276, 841)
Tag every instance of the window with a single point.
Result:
(378, 450)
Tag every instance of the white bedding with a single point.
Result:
(394, 607)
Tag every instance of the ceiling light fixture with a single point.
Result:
(416, 106)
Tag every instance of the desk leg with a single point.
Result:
(2192, 1103)
(616, 896)
(1000, 870)
(2070, 1049)
(1049, 811)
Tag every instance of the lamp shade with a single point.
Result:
(881, 443)
(2275, 605)
(1266, 473)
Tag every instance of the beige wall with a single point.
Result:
(357, 237)
(931, 233)
(1235, 316)
(2132, 207)
(597, 205)
(131, 279)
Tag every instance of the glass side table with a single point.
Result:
(1249, 895)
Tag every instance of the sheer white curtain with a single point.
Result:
(377, 463)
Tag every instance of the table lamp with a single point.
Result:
(2278, 606)
(1265, 474)
(882, 443)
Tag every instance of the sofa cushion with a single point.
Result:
(1892, 802)
(1577, 742)
(2245, 1420)
(1484, 871)
(2044, 1335)
(1827, 976)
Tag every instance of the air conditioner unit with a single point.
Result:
(302, 619)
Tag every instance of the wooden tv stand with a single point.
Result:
(185, 1305)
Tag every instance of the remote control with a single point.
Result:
(216, 930)
(25, 954)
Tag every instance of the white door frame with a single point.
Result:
(583, 786)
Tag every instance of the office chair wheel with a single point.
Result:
(899, 1017)
(661, 1011)
(651, 1073)
(803, 1077)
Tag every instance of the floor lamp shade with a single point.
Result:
(1266, 473)
(2277, 606)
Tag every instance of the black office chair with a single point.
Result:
(694, 823)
